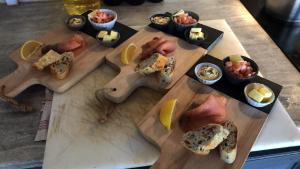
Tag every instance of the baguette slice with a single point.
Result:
(152, 64)
(60, 69)
(165, 76)
(204, 139)
(228, 148)
(47, 59)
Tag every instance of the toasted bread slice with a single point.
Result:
(228, 148)
(152, 64)
(60, 69)
(204, 139)
(166, 74)
(47, 59)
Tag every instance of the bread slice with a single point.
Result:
(152, 64)
(228, 148)
(47, 59)
(165, 76)
(204, 139)
(60, 69)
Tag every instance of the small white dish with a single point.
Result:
(254, 103)
(101, 26)
(205, 81)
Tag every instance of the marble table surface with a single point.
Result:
(78, 139)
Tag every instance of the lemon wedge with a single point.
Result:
(29, 48)
(127, 53)
(166, 113)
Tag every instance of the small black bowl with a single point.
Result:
(195, 42)
(75, 27)
(160, 26)
(233, 79)
(108, 44)
(182, 27)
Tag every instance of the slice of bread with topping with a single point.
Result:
(204, 139)
(60, 69)
(47, 59)
(228, 148)
(152, 64)
(165, 76)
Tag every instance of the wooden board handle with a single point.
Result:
(16, 82)
(118, 89)
(167, 160)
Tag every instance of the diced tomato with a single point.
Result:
(102, 17)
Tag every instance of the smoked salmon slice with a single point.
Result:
(75, 42)
(212, 110)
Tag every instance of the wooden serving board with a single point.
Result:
(128, 79)
(248, 120)
(86, 60)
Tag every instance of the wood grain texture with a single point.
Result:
(248, 120)
(128, 79)
(86, 59)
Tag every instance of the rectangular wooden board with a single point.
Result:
(86, 60)
(248, 120)
(128, 79)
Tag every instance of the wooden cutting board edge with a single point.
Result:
(24, 75)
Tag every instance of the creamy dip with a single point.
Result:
(208, 73)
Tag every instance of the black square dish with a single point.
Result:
(237, 91)
(125, 31)
(213, 35)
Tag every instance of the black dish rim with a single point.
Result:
(160, 14)
(75, 28)
(191, 13)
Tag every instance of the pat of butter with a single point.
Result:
(114, 35)
(107, 38)
(102, 34)
(201, 35)
(196, 35)
(264, 91)
(235, 58)
(198, 30)
(193, 36)
(256, 95)
(180, 12)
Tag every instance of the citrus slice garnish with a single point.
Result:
(29, 48)
(166, 113)
(127, 53)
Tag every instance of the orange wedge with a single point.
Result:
(29, 48)
(166, 113)
(127, 53)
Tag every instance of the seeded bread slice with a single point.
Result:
(61, 68)
(204, 139)
(165, 76)
(228, 148)
(47, 59)
(152, 64)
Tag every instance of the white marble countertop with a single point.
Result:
(77, 140)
